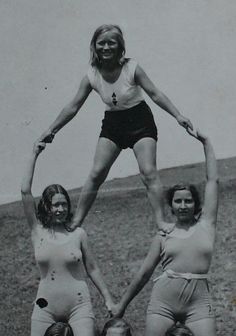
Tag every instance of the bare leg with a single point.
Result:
(203, 327)
(84, 326)
(105, 155)
(157, 325)
(145, 153)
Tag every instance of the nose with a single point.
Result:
(182, 205)
(106, 46)
(60, 208)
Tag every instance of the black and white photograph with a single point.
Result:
(118, 168)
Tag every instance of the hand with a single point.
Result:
(166, 227)
(117, 310)
(196, 133)
(186, 123)
(72, 226)
(47, 136)
(110, 306)
(39, 146)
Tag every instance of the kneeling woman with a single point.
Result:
(181, 293)
(63, 293)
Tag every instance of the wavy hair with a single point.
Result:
(179, 330)
(94, 58)
(45, 203)
(59, 329)
(189, 187)
(117, 322)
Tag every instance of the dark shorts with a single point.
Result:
(126, 127)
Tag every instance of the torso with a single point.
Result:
(117, 88)
(188, 251)
(58, 255)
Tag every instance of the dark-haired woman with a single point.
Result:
(59, 329)
(179, 330)
(128, 120)
(181, 293)
(61, 257)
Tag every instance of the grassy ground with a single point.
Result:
(120, 229)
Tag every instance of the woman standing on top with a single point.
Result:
(181, 293)
(128, 120)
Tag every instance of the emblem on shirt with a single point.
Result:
(114, 100)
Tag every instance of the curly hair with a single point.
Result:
(44, 206)
(94, 58)
(59, 329)
(115, 323)
(190, 187)
(179, 330)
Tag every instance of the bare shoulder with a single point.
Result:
(81, 233)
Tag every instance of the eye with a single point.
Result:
(177, 200)
(189, 201)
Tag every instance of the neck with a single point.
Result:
(110, 65)
(185, 224)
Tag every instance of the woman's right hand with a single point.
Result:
(47, 136)
(39, 146)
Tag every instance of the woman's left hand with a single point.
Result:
(186, 123)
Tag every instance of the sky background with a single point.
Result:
(187, 48)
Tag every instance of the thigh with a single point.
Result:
(38, 328)
(105, 155)
(145, 153)
(157, 325)
(83, 326)
(203, 327)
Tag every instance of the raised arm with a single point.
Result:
(210, 206)
(141, 278)
(26, 185)
(93, 270)
(69, 111)
(159, 98)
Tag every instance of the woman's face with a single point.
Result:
(183, 205)
(107, 46)
(59, 209)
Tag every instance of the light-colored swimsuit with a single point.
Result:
(123, 94)
(62, 294)
(181, 293)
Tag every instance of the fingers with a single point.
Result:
(192, 132)
(48, 138)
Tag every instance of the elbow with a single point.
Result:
(25, 190)
(70, 111)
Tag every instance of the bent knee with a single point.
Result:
(149, 174)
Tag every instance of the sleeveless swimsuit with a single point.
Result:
(62, 294)
(181, 293)
(127, 118)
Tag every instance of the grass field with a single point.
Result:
(120, 229)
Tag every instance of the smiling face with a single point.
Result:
(107, 46)
(183, 205)
(59, 209)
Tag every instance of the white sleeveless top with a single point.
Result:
(123, 94)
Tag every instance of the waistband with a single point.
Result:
(134, 108)
(176, 275)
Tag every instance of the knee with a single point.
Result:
(149, 175)
(98, 175)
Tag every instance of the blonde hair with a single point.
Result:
(94, 58)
